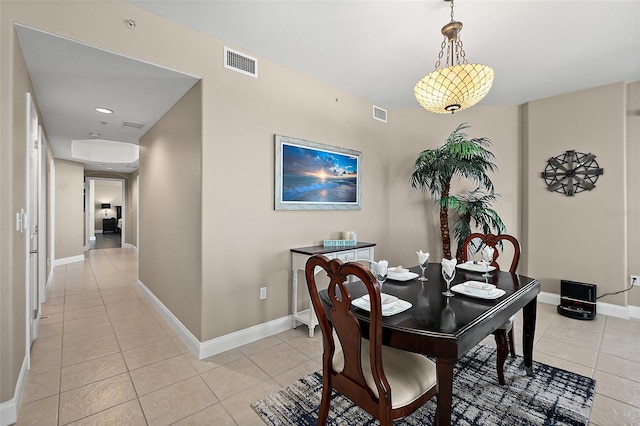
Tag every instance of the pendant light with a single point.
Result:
(458, 85)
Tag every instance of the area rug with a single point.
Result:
(551, 397)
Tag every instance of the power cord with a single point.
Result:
(633, 282)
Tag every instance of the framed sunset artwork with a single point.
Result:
(314, 176)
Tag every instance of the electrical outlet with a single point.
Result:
(635, 279)
(263, 293)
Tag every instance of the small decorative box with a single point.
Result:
(339, 243)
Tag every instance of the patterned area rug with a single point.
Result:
(551, 397)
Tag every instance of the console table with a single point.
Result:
(299, 256)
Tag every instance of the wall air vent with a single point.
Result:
(379, 114)
(240, 62)
(132, 125)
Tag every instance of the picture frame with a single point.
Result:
(315, 176)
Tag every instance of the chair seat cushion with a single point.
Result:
(507, 325)
(410, 375)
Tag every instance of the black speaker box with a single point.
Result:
(577, 300)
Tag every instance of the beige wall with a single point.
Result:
(170, 256)
(414, 221)
(69, 209)
(632, 212)
(131, 234)
(14, 83)
(579, 238)
(244, 239)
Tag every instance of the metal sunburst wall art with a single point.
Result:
(571, 173)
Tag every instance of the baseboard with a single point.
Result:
(242, 337)
(608, 309)
(9, 409)
(219, 344)
(66, 260)
(131, 247)
(185, 335)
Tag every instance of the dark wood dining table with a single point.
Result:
(447, 327)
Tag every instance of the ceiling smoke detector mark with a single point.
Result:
(379, 114)
(240, 62)
(132, 125)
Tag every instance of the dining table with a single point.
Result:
(446, 327)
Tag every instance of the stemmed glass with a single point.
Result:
(423, 261)
(448, 277)
(487, 258)
(379, 270)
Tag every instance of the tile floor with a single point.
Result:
(104, 356)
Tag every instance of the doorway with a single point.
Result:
(105, 204)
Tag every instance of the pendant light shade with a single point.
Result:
(454, 88)
(457, 86)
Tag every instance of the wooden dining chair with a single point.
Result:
(504, 334)
(387, 383)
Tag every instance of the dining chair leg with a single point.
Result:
(512, 345)
(323, 412)
(503, 350)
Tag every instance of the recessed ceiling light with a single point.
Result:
(104, 110)
(94, 135)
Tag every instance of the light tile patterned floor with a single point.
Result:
(105, 356)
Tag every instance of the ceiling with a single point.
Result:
(71, 79)
(375, 49)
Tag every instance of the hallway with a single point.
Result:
(105, 356)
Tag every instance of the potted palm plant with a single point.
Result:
(475, 207)
(466, 158)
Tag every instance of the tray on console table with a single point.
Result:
(299, 257)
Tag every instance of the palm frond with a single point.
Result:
(469, 159)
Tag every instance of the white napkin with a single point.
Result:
(398, 270)
(449, 265)
(487, 254)
(385, 299)
(381, 267)
(422, 257)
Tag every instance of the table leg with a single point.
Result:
(445, 390)
(312, 321)
(528, 332)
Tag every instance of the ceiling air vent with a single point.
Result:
(132, 125)
(379, 114)
(240, 62)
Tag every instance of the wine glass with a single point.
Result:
(423, 261)
(448, 277)
(487, 258)
(380, 273)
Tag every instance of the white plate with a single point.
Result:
(387, 310)
(475, 267)
(468, 291)
(407, 276)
